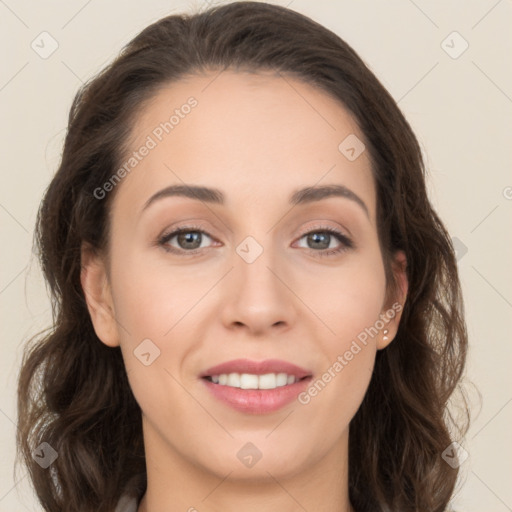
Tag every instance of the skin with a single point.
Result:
(257, 138)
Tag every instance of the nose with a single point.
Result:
(259, 297)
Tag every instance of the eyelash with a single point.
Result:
(346, 243)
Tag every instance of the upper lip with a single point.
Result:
(257, 368)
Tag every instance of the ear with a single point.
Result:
(96, 287)
(394, 305)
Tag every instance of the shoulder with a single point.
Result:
(127, 504)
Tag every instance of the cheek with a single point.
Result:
(163, 304)
(351, 310)
(350, 304)
(150, 299)
(350, 298)
(156, 306)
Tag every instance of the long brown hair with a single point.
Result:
(73, 392)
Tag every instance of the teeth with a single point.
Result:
(250, 381)
(281, 379)
(247, 381)
(234, 380)
(267, 381)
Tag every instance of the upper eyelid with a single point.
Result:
(171, 233)
(192, 224)
(204, 230)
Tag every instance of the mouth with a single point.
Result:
(253, 381)
(249, 374)
(256, 387)
(255, 401)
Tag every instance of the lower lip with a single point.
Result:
(257, 401)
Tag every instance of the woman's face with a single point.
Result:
(266, 280)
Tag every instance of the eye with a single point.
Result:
(188, 238)
(321, 239)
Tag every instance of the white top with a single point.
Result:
(127, 504)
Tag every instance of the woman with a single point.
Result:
(256, 305)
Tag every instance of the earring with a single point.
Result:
(385, 338)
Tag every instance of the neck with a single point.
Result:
(178, 483)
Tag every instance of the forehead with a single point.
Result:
(247, 134)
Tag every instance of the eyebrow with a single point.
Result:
(215, 196)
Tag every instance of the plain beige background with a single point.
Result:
(458, 102)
